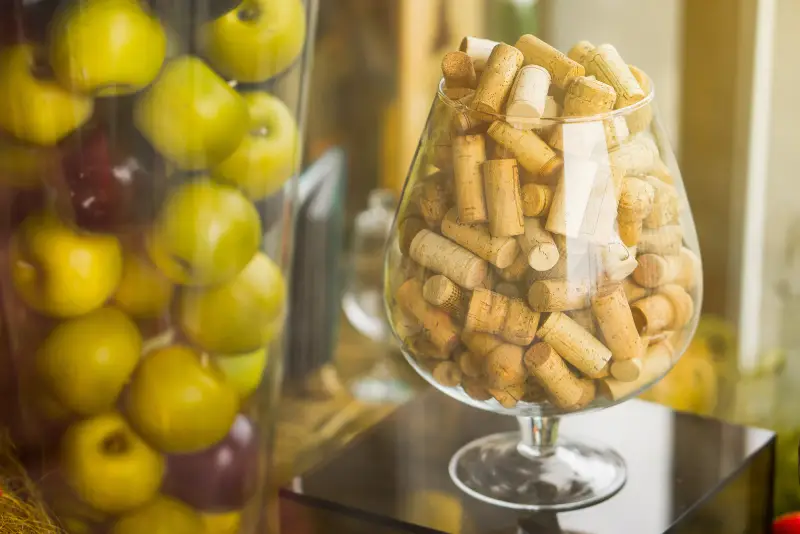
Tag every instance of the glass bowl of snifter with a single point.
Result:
(543, 260)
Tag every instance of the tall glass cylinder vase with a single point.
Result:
(148, 150)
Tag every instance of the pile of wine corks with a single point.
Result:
(541, 259)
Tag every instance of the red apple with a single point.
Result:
(787, 524)
(111, 179)
(222, 477)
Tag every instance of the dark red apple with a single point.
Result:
(111, 179)
(220, 478)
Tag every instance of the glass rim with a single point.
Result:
(544, 121)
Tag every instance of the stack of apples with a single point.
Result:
(137, 298)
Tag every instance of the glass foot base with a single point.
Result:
(501, 470)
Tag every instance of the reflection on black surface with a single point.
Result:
(685, 473)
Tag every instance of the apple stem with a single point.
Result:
(116, 443)
(249, 13)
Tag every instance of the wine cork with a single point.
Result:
(682, 305)
(508, 289)
(487, 312)
(589, 394)
(480, 343)
(407, 230)
(469, 153)
(479, 50)
(689, 271)
(447, 374)
(497, 78)
(437, 324)
(504, 367)
(521, 323)
(493, 313)
(637, 157)
(634, 291)
(654, 270)
(535, 392)
(617, 132)
(499, 251)
(635, 200)
(584, 318)
(440, 154)
(538, 246)
(630, 232)
(586, 96)
(474, 389)
(617, 262)
(442, 256)
(510, 396)
(423, 348)
(640, 119)
(614, 317)
(528, 96)
(544, 363)
(561, 68)
(579, 51)
(441, 292)
(470, 364)
(558, 295)
(655, 339)
(627, 370)
(665, 241)
(503, 200)
(498, 151)
(665, 204)
(458, 93)
(517, 270)
(605, 63)
(654, 365)
(458, 70)
(531, 152)
(576, 345)
(435, 198)
(653, 314)
(662, 172)
(536, 200)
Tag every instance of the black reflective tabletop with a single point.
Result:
(685, 474)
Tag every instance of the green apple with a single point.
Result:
(143, 292)
(206, 233)
(191, 115)
(106, 47)
(34, 108)
(255, 41)
(180, 401)
(162, 515)
(244, 371)
(85, 362)
(60, 272)
(239, 316)
(108, 466)
(268, 154)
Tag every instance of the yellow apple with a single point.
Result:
(106, 47)
(33, 108)
(255, 41)
(241, 315)
(243, 371)
(60, 272)
(268, 154)
(144, 292)
(191, 115)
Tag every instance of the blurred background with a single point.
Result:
(725, 87)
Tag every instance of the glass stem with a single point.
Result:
(538, 436)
